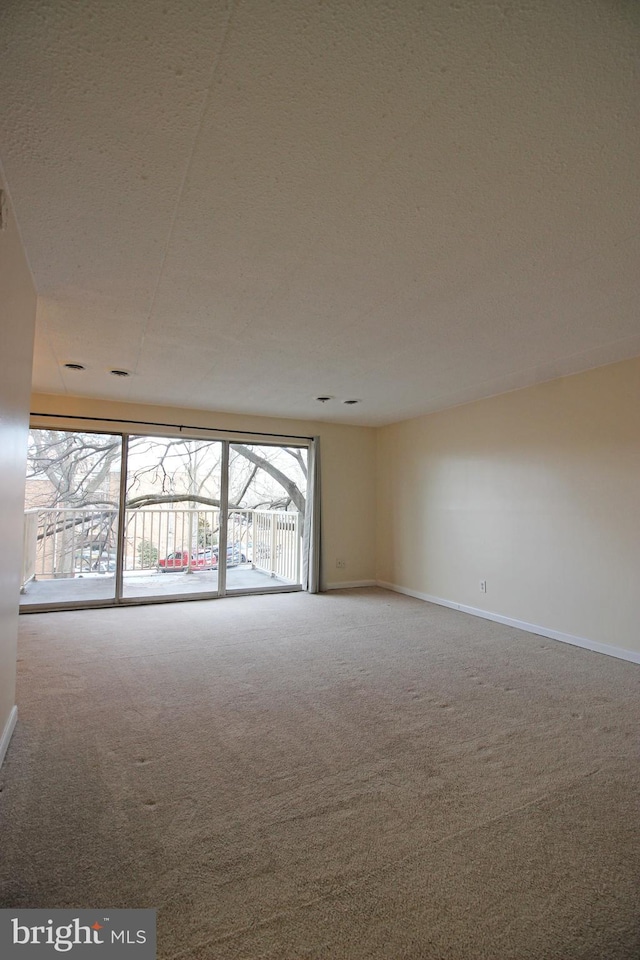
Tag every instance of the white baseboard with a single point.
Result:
(350, 584)
(7, 733)
(619, 652)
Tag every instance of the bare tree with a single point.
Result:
(80, 471)
(289, 486)
(78, 467)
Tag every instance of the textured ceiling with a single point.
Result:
(250, 204)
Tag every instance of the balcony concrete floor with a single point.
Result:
(144, 586)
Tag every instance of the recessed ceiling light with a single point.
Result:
(324, 399)
(74, 366)
(120, 373)
(350, 402)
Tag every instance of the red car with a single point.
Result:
(179, 560)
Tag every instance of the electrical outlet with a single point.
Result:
(483, 586)
(340, 564)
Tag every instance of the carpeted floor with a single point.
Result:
(354, 775)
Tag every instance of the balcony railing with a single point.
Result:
(64, 542)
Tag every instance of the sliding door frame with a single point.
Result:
(122, 510)
(185, 433)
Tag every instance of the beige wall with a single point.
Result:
(536, 491)
(347, 463)
(17, 319)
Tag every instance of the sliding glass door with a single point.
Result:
(172, 517)
(72, 494)
(139, 518)
(267, 506)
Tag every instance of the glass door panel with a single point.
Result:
(172, 517)
(71, 518)
(267, 504)
(184, 531)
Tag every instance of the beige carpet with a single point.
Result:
(355, 775)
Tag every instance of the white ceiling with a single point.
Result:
(249, 204)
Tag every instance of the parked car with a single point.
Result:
(206, 559)
(179, 560)
(235, 555)
(95, 559)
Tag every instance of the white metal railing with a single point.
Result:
(65, 542)
(276, 543)
(152, 535)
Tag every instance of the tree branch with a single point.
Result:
(285, 482)
(149, 499)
